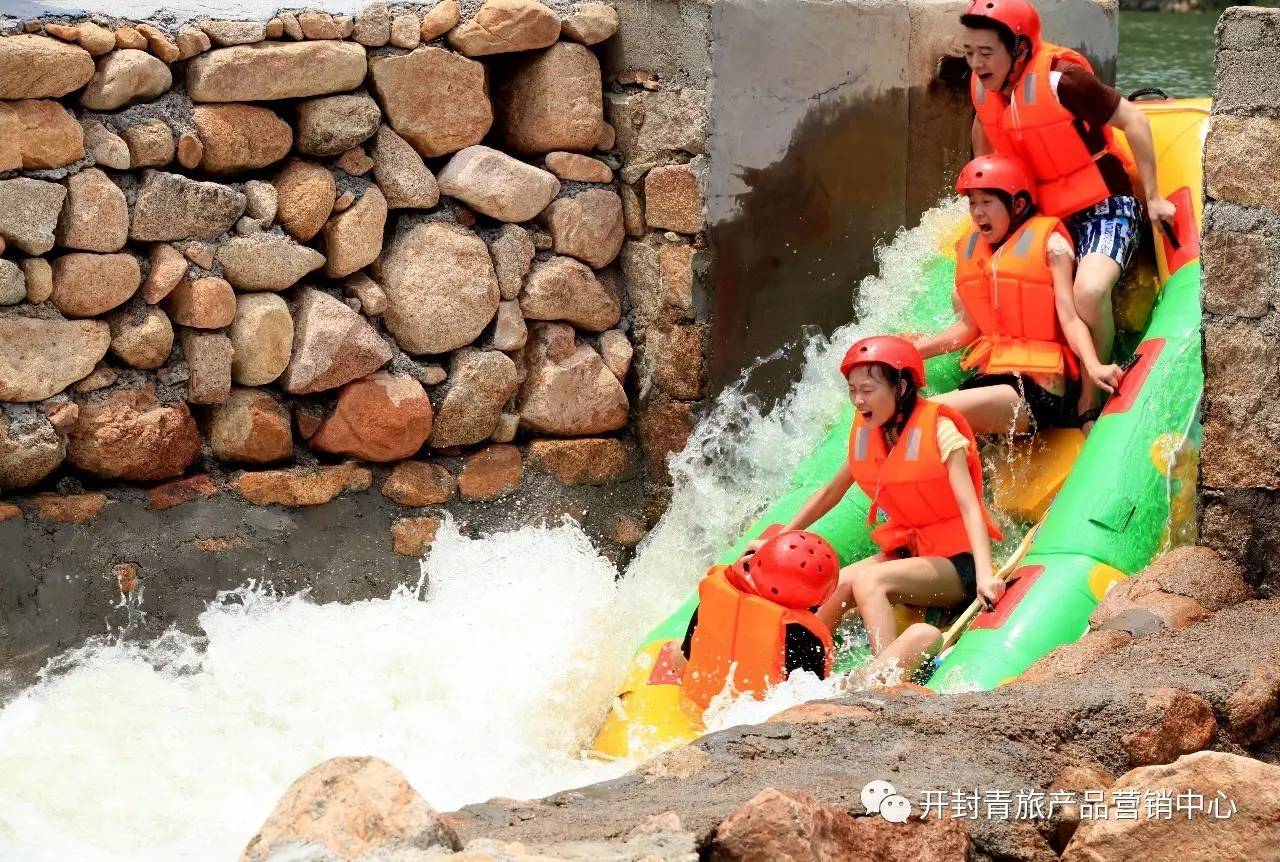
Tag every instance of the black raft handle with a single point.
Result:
(1146, 92)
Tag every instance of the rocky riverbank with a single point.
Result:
(1177, 688)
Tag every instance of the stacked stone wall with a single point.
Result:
(1240, 459)
(264, 253)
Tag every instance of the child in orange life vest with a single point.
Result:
(756, 618)
(1017, 314)
(917, 462)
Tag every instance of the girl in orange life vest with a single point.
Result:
(1042, 103)
(917, 461)
(1017, 314)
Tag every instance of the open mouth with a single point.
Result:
(866, 414)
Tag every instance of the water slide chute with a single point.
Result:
(1105, 507)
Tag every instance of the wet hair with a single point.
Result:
(982, 22)
(905, 397)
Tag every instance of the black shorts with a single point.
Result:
(965, 568)
(1047, 410)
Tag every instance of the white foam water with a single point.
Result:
(488, 678)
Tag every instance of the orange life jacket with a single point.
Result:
(1034, 126)
(745, 633)
(910, 484)
(1008, 294)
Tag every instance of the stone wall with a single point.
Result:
(1240, 460)
(373, 261)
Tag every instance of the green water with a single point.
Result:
(1169, 50)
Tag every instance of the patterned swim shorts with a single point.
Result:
(1109, 227)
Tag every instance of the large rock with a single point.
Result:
(150, 142)
(250, 427)
(208, 356)
(597, 461)
(131, 436)
(442, 18)
(171, 207)
(332, 345)
(29, 212)
(563, 289)
(350, 807)
(434, 99)
(405, 180)
(239, 137)
(417, 483)
(382, 417)
(480, 382)
(261, 339)
(38, 133)
(491, 473)
(552, 101)
(39, 358)
(588, 226)
(512, 250)
(302, 486)
(675, 358)
(227, 33)
(30, 449)
(789, 826)
(1176, 723)
(567, 390)
(167, 267)
(305, 193)
(37, 67)
(141, 336)
(13, 283)
(1244, 793)
(95, 215)
(124, 77)
(269, 71)
(509, 329)
(576, 167)
(205, 303)
(265, 261)
(497, 185)
(39, 277)
(504, 26)
(657, 128)
(664, 427)
(440, 286)
(104, 146)
(673, 199)
(373, 24)
(353, 237)
(86, 285)
(332, 125)
(591, 23)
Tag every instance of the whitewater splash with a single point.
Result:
(485, 679)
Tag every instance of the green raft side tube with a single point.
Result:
(1113, 513)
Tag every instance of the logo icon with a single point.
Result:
(880, 797)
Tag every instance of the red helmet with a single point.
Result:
(1018, 15)
(892, 350)
(1003, 173)
(797, 569)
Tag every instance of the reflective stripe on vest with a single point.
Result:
(1008, 294)
(745, 633)
(912, 485)
(1035, 127)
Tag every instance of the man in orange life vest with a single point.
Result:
(1042, 103)
(755, 618)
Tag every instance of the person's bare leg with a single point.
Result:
(1096, 277)
(990, 409)
(921, 581)
(901, 658)
(841, 601)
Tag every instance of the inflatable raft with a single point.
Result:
(1102, 509)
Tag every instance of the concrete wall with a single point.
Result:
(1240, 460)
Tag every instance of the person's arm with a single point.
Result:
(990, 588)
(1105, 377)
(959, 334)
(822, 501)
(1137, 129)
(978, 138)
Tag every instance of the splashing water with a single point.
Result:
(488, 678)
